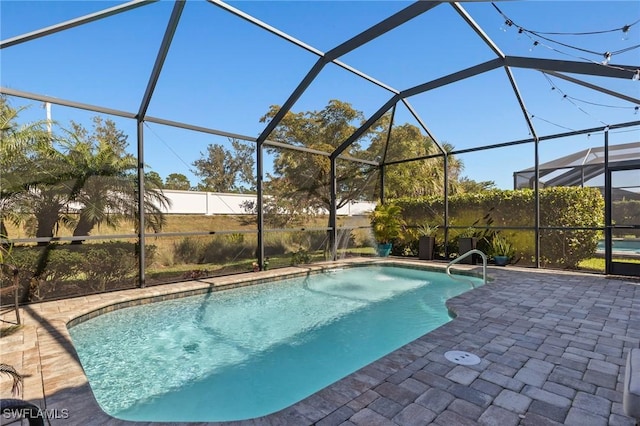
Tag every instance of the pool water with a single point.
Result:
(251, 351)
(630, 246)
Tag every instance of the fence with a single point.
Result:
(212, 203)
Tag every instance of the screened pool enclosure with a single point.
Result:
(129, 127)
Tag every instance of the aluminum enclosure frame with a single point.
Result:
(556, 68)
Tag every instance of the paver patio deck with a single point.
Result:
(552, 348)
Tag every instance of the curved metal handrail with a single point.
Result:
(464, 256)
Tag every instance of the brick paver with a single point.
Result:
(552, 346)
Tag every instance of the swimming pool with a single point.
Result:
(251, 351)
(620, 246)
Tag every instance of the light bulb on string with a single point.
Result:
(508, 23)
(535, 43)
(625, 32)
(636, 76)
(635, 112)
(607, 58)
(520, 31)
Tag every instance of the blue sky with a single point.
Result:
(224, 73)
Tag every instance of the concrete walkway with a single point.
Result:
(552, 348)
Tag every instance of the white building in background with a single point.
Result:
(212, 203)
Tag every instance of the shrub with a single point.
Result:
(60, 270)
(570, 207)
(562, 207)
(189, 250)
(274, 248)
(499, 245)
(626, 212)
(43, 272)
(112, 266)
(300, 257)
(221, 250)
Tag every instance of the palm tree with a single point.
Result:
(90, 172)
(15, 377)
(18, 145)
(104, 181)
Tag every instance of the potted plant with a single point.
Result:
(468, 241)
(501, 249)
(386, 223)
(426, 241)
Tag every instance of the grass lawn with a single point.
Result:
(597, 263)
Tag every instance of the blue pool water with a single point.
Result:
(631, 246)
(251, 351)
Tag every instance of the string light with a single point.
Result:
(583, 58)
(507, 23)
(542, 36)
(535, 43)
(552, 123)
(625, 28)
(568, 98)
(625, 32)
(600, 105)
(612, 131)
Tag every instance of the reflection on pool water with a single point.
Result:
(251, 351)
(629, 246)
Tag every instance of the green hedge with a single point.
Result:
(626, 212)
(65, 270)
(559, 207)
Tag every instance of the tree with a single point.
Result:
(412, 178)
(80, 181)
(177, 181)
(224, 170)
(154, 179)
(466, 185)
(456, 166)
(23, 147)
(105, 184)
(300, 183)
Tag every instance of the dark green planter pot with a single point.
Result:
(501, 260)
(466, 244)
(384, 249)
(426, 247)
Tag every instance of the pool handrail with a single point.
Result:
(464, 256)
